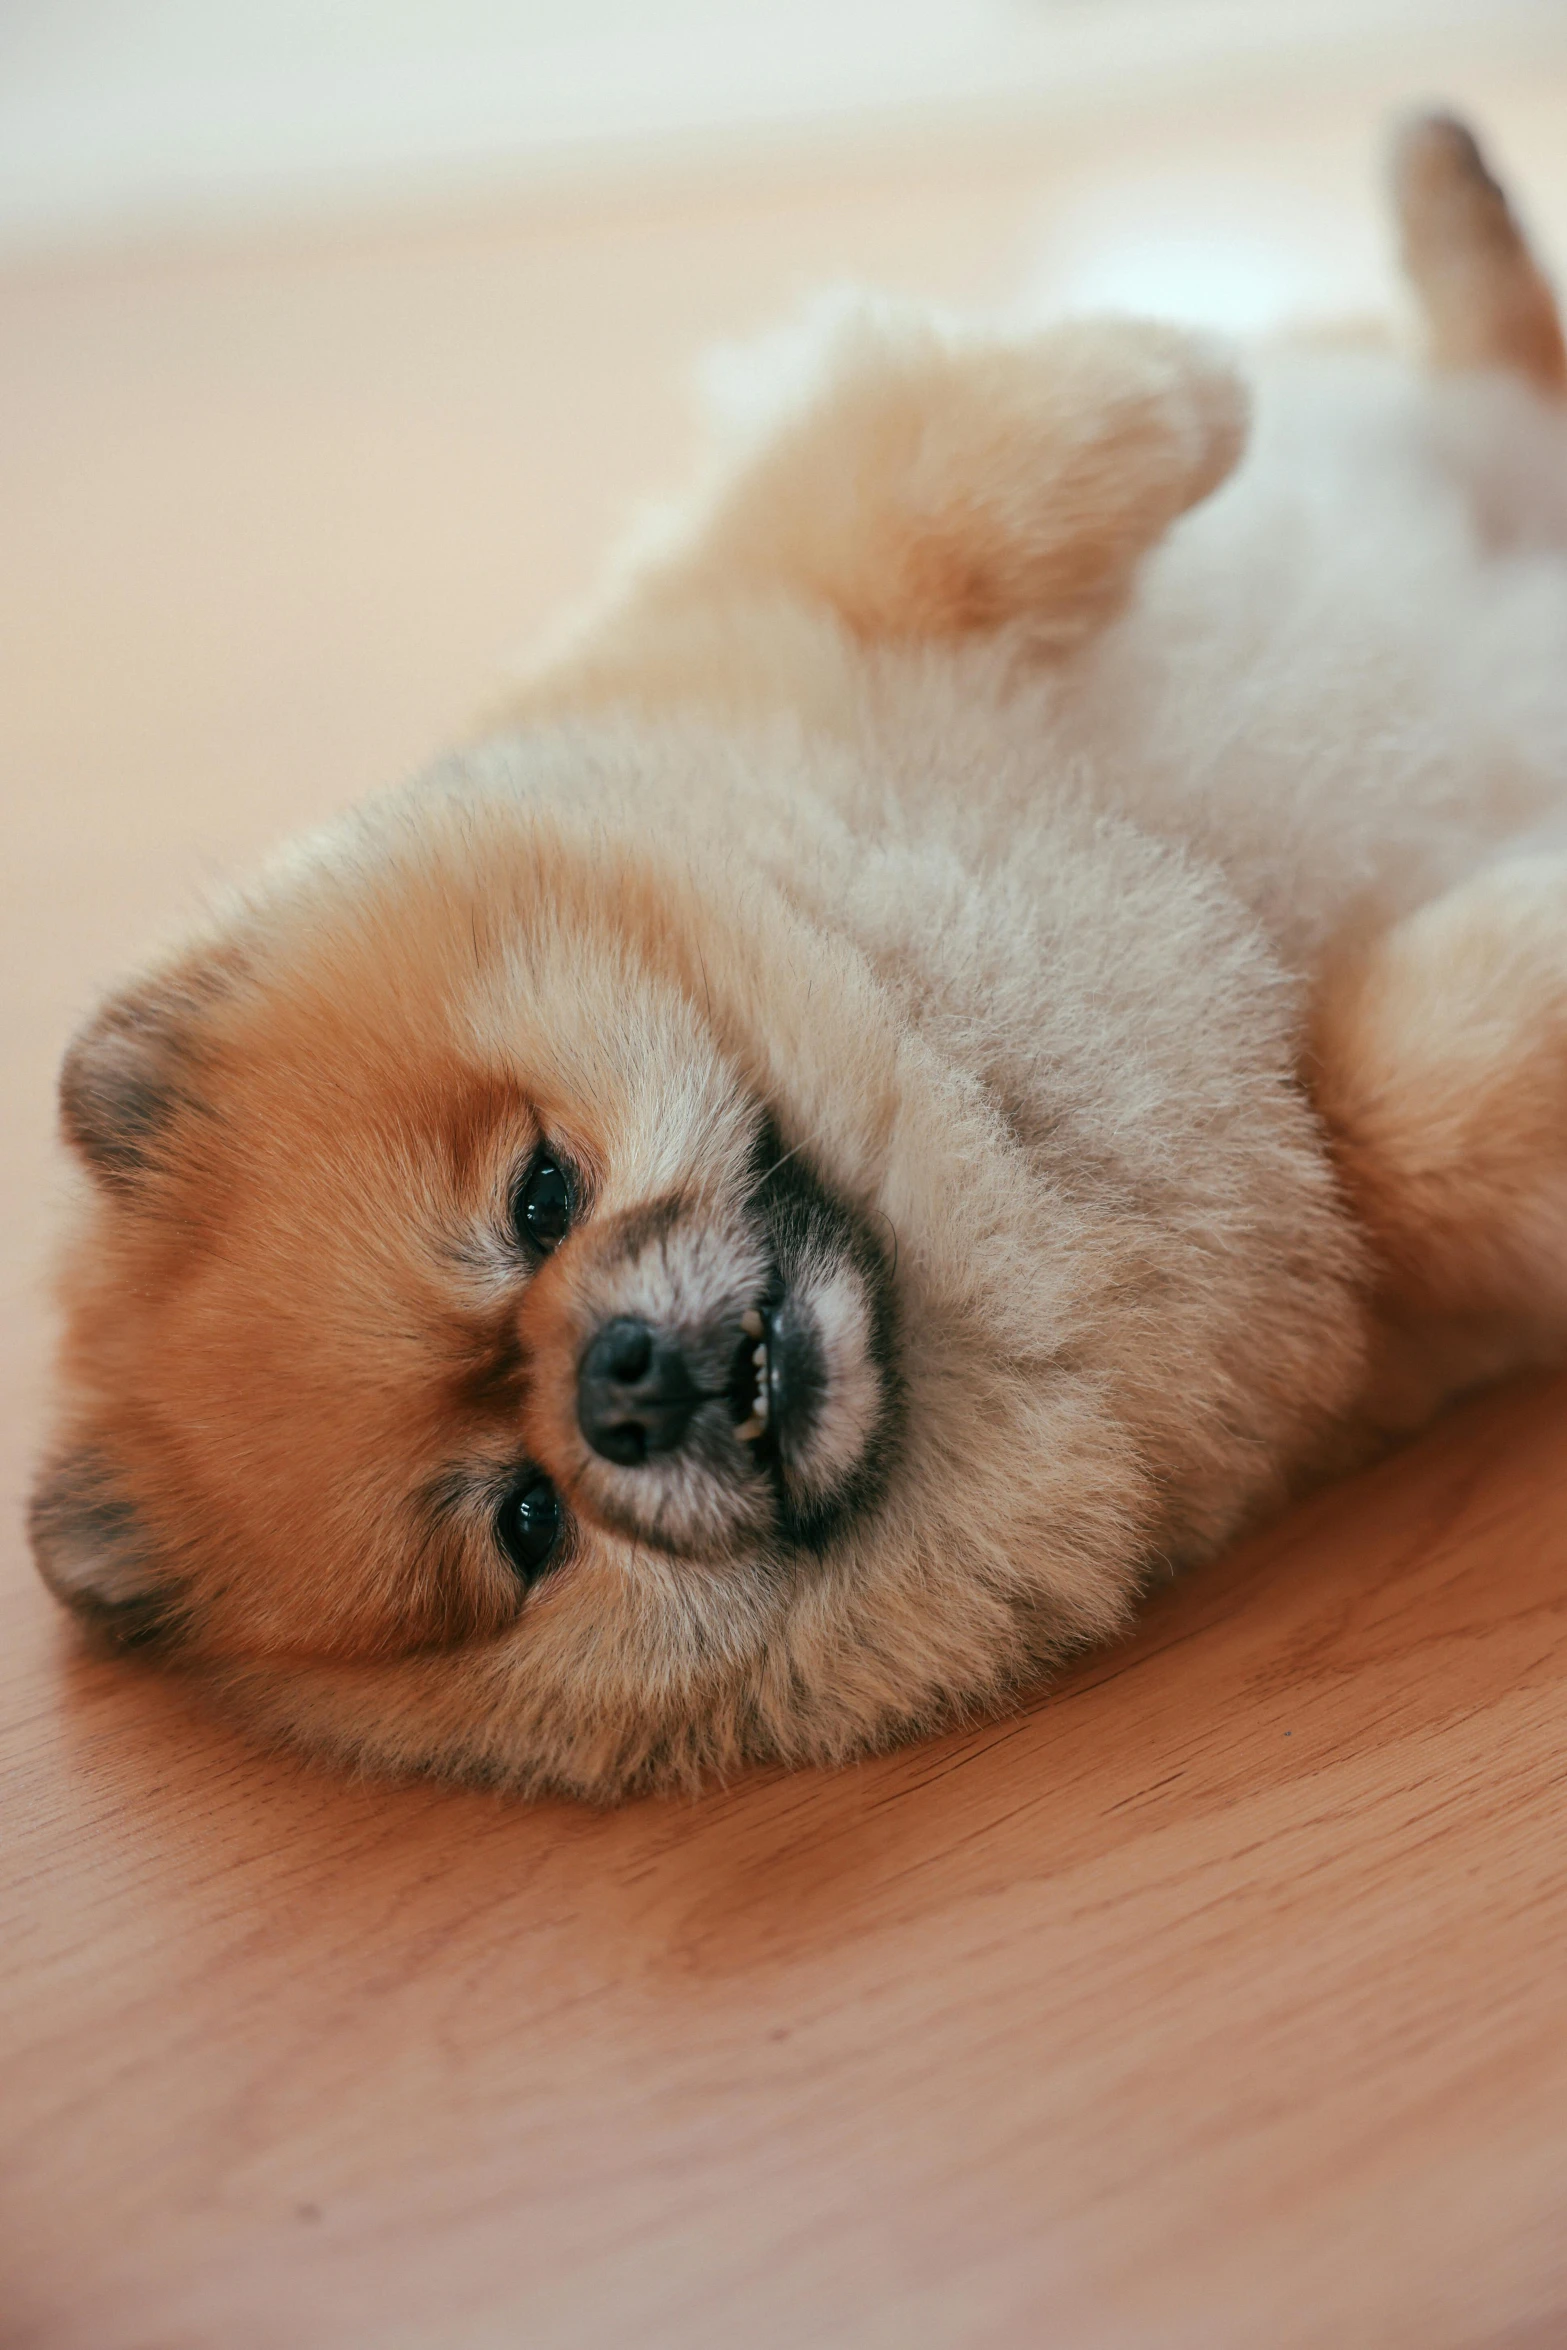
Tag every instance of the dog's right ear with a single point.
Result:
(93, 1551)
(134, 1069)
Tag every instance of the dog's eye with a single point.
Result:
(541, 1205)
(528, 1527)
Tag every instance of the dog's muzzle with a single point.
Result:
(739, 1380)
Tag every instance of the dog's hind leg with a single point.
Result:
(1484, 300)
(1440, 1069)
(1440, 1048)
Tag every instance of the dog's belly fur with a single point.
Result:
(1355, 652)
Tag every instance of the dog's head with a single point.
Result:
(445, 1257)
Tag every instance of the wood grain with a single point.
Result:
(1216, 2000)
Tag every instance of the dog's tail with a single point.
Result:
(1486, 301)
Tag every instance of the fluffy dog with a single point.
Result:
(1000, 1003)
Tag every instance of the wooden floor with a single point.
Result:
(1215, 2003)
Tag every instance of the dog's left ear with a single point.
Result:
(92, 1551)
(135, 1067)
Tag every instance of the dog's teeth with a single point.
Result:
(755, 1425)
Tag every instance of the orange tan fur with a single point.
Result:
(1067, 981)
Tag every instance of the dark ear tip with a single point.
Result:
(91, 1549)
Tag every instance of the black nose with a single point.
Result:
(635, 1392)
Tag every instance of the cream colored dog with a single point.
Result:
(1000, 1004)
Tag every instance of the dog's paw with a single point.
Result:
(937, 484)
(1485, 300)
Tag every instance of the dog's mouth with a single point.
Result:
(781, 1386)
(757, 1390)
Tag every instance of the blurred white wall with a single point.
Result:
(122, 116)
